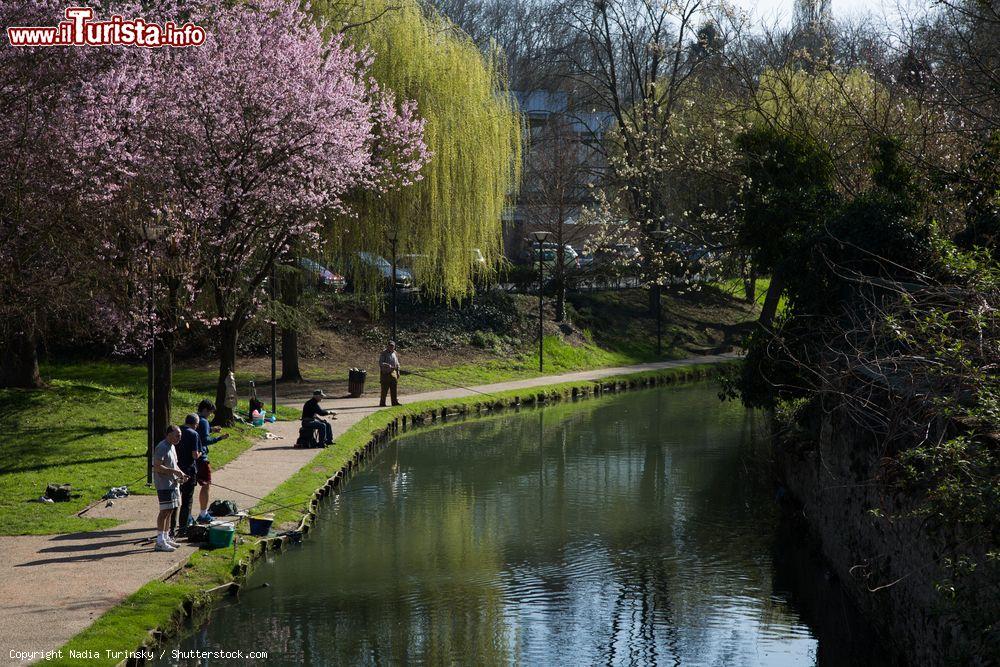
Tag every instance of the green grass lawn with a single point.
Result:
(88, 429)
(735, 287)
(619, 330)
(559, 357)
(121, 374)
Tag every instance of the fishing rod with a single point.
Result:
(450, 384)
(293, 505)
(296, 506)
(266, 502)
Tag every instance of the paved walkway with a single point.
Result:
(54, 586)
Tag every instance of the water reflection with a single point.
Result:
(637, 529)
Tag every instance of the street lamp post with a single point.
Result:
(540, 238)
(659, 235)
(150, 234)
(394, 239)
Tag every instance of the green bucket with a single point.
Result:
(221, 535)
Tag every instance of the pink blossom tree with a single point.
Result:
(238, 149)
(47, 229)
(255, 138)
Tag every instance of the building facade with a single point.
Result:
(564, 166)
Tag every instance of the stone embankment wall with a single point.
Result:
(891, 566)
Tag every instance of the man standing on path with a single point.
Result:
(188, 452)
(388, 365)
(204, 477)
(166, 477)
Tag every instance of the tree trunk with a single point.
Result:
(750, 289)
(649, 277)
(163, 382)
(771, 300)
(290, 371)
(290, 290)
(163, 359)
(19, 361)
(228, 335)
(749, 282)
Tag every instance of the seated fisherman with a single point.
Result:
(311, 412)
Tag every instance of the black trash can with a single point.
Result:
(356, 382)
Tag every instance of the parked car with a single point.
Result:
(549, 255)
(615, 264)
(322, 276)
(383, 269)
(693, 260)
(619, 252)
(413, 263)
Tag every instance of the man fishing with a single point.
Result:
(167, 478)
(189, 450)
(388, 365)
(311, 413)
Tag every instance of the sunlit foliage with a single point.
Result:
(473, 132)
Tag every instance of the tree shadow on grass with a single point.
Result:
(81, 431)
(62, 464)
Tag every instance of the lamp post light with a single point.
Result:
(151, 233)
(394, 240)
(659, 235)
(540, 239)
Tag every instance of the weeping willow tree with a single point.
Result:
(473, 131)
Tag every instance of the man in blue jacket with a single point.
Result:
(189, 451)
(204, 477)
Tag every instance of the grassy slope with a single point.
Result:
(494, 337)
(559, 357)
(126, 626)
(704, 322)
(617, 330)
(86, 429)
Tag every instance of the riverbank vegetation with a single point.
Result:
(892, 328)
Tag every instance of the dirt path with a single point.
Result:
(54, 586)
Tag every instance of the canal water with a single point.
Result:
(640, 529)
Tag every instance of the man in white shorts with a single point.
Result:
(167, 478)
